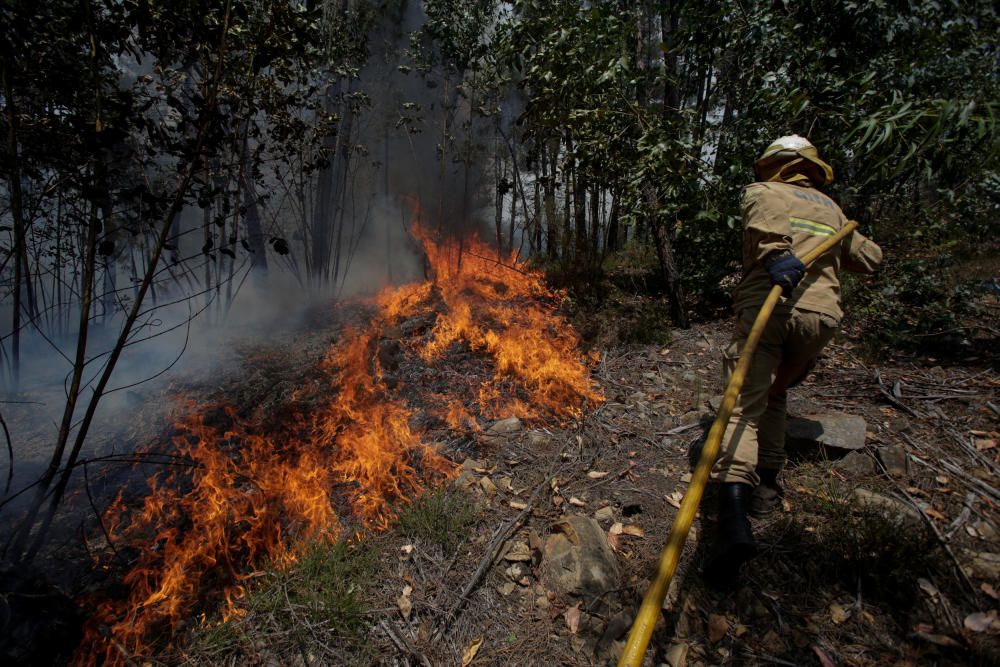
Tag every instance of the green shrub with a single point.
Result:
(916, 305)
(443, 517)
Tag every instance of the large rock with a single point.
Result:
(577, 559)
(824, 432)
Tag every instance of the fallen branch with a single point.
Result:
(492, 552)
(401, 644)
(962, 576)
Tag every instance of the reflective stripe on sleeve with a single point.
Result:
(811, 227)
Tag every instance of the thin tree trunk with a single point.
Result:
(17, 211)
(24, 530)
(611, 245)
(255, 231)
(663, 244)
(549, 155)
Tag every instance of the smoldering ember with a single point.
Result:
(480, 333)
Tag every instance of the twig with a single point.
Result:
(975, 481)
(911, 443)
(93, 506)
(680, 429)
(401, 644)
(970, 498)
(993, 407)
(892, 399)
(963, 578)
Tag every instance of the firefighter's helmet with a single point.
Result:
(791, 159)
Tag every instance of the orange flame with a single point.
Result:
(254, 494)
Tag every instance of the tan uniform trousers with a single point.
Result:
(788, 348)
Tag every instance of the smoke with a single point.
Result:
(417, 144)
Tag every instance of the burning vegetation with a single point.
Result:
(480, 339)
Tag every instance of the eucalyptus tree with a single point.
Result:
(119, 117)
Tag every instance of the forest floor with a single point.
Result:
(890, 556)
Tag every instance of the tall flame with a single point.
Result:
(349, 450)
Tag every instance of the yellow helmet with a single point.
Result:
(792, 158)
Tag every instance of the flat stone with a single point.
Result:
(578, 560)
(833, 430)
(895, 460)
(505, 426)
(856, 464)
(677, 654)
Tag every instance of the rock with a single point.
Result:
(773, 643)
(616, 628)
(836, 431)
(518, 552)
(899, 425)
(895, 460)
(516, 572)
(605, 513)
(718, 627)
(541, 441)
(884, 503)
(689, 418)
(578, 560)
(505, 426)
(986, 565)
(856, 464)
(414, 325)
(986, 531)
(677, 654)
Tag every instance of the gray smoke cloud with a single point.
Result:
(418, 148)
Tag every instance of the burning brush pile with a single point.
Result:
(479, 341)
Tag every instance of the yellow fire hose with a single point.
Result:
(649, 612)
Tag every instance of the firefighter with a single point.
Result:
(784, 216)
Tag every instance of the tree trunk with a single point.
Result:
(255, 232)
(611, 244)
(669, 23)
(668, 270)
(17, 211)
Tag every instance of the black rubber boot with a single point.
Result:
(767, 495)
(734, 543)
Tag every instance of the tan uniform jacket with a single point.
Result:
(783, 216)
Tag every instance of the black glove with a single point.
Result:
(786, 270)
